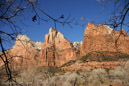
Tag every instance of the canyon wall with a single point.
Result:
(57, 50)
(103, 38)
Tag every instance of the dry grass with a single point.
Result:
(97, 77)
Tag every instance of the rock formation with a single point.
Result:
(24, 53)
(103, 38)
(57, 50)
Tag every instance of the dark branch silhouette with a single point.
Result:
(10, 12)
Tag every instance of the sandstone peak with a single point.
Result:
(91, 24)
(51, 30)
(108, 28)
(56, 50)
(53, 35)
(24, 52)
(25, 41)
(22, 38)
(57, 39)
(98, 29)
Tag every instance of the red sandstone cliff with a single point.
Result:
(24, 53)
(56, 50)
(103, 38)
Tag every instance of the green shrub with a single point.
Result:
(53, 70)
(69, 63)
(105, 56)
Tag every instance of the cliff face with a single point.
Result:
(56, 50)
(24, 53)
(103, 38)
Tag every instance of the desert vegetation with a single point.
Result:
(97, 56)
(50, 76)
(105, 56)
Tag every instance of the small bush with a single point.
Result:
(105, 56)
(98, 77)
(69, 63)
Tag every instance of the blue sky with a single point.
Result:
(90, 9)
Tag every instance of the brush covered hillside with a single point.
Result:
(99, 60)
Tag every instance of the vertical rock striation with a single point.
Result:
(103, 38)
(56, 49)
